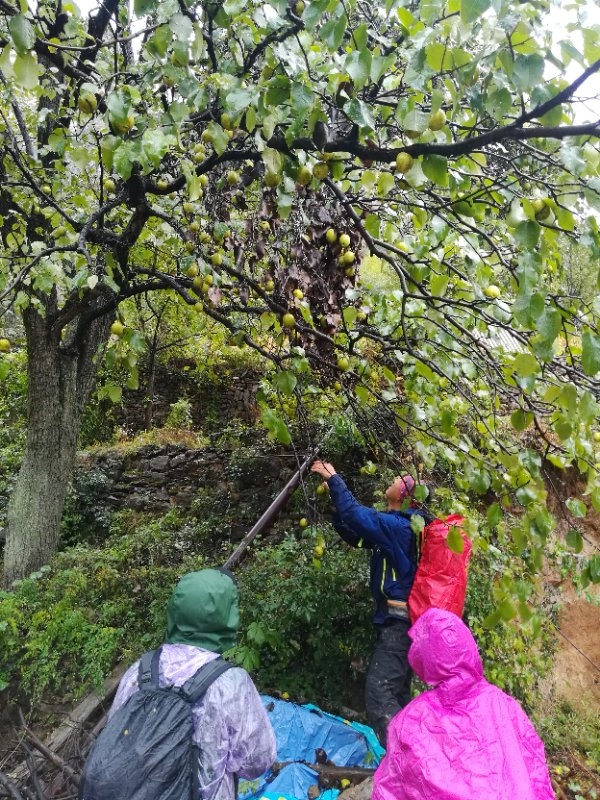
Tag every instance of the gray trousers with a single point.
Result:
(387, 687)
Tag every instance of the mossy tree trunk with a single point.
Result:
(61, 374)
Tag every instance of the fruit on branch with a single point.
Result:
(117, 328)
(47, 189)
(437, 120)
(318, 551)
(344, 240)
(343, 363)
(404, 162)
(4, 346)
(303, 523)
(272, 179)
(304, 175)
(226, 122)
(192, 271)
(541, 209)
(321, 171)
(492, 291)
(122, 125)
(348, 257)
(299, 7)
(288, 320)
(188, 207)
(331, 236)
(162, 184)
(233, 177)
(87, 102)
(298, 294)
(269, 286)
(109, 185)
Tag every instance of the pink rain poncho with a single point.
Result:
(465, 739)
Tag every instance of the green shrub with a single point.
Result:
(306, 620)
(64, 628)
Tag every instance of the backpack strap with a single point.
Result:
(193, 689)
(148, 675)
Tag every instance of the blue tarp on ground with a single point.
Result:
(301, 731)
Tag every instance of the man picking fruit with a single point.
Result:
(390, 537)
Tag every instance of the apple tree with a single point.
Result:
(257, 160)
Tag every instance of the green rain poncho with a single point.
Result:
(203, 611)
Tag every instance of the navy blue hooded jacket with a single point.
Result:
(388, 534)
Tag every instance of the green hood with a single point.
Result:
(203, 611)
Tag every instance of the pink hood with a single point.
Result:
(464, 739)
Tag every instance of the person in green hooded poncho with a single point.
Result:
(232, 730)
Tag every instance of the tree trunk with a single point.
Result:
(61, 374)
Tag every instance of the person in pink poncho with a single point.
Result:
(464, 739)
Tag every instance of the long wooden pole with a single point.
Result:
(267, 518)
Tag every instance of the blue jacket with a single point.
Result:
(388, 534)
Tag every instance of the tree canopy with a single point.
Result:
(375, 198)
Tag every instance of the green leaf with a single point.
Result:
(454, 540)
(363, 394)
(575, 540)
(471, 10)
(590, 357)
(549, 324)
(372, 223)
(436, 169)
(285, 381)
(239, 99)
(524, 364)
(358, 66)
(141, 7)
(276, 426)
(359, 112)
(527, 234)
(22, 33)
(494, 515)
(334, 29)
(521, 419)
(114, 392)
(576, 506)
(26, 70)
(594, 568)
(438, 285)
(507, 609)
(528, 71)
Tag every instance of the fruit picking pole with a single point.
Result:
(268, 516)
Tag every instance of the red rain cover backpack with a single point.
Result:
(441, 577)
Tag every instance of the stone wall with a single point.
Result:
(154, 479)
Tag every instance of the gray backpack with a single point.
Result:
(147, 750)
